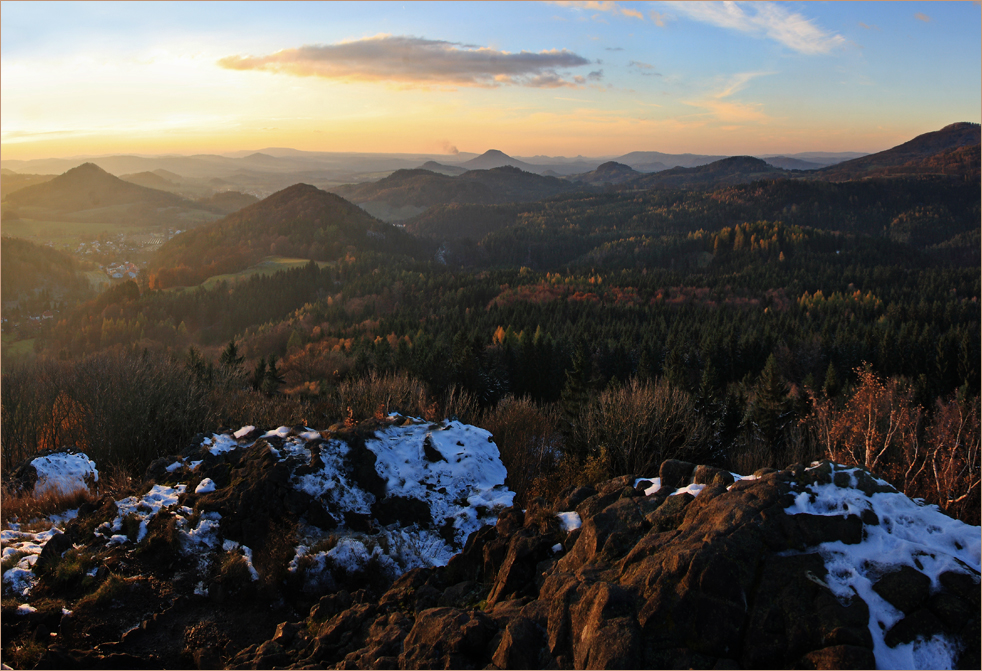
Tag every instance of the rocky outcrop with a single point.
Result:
(282, 549)
(734, 576)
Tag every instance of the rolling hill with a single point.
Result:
(89, 193)
(11, 181)
(916, 155)
(648, 161)
(493, 158)
(452, 170)
(610, 172)
(788, 163)
(410, 192)
(227, 202)
(300, 221)
(725, 172)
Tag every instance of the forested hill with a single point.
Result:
(936, 148)
(89, 186)
(936, 215)
(732, 170)
(423, 188)
(27, 267)
(300, 221)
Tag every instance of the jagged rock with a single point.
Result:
(448, 638)
(723, 575)
(906, 588)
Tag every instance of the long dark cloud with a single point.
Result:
(418, 61)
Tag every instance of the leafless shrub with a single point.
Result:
(394, 393)
(641, 424)
(527, 437)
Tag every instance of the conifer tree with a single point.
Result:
(230, 359)
(259, 374)
(573, 404)
(273, 379)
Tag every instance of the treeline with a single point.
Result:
(127, 409)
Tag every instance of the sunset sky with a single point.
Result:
(548, 78)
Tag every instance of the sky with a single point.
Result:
(531, 78)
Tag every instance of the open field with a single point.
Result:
(14, 348)
(268, 266)
(98, 279)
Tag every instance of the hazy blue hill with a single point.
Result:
(452, 170)
(493, 158)
(89, 186)
(637, 159)
(728, 171)
(423, 188)
(610, 172)
(788, 163)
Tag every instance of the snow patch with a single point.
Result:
(63, 473)
(908, 533)
(244, 431)
(569, 521)
(205, 486)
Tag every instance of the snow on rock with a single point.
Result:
(330, 482)
(63, 472)
(452, 467)
(20, 578)
(143, 509)
(569, 521)
(907, 534)
(205, 486)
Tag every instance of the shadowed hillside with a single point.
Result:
(301, 222)
(915, 154)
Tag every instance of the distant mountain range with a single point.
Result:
(788, 163)
(395, 187)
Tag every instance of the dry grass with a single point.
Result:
(25, 506)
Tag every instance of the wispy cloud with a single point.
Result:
(417, 61)
(601, 6)
(658, 19)
(717, 105)
(764, 19)
(646, 69)
(920, 16)
(868, 27)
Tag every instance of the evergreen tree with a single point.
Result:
(230, 359)
(259, 374)
(573, 404)
(273, 380)
(831, 385)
